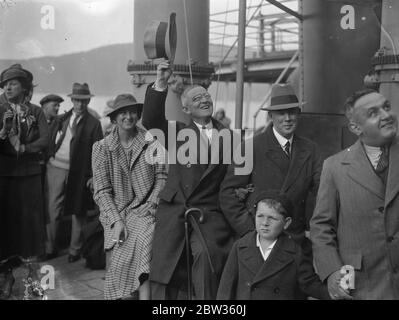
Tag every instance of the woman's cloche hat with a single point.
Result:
(122, 101)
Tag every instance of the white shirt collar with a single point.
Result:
(73, 117)
(208, 126)
(370, 149)
(265, 254)
(282, 140)
(207, 131)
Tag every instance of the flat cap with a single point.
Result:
(51, 97)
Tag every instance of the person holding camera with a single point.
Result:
(24, 135)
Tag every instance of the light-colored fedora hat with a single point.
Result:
(160, 39)
(122, 101)
(80, 91)
(283, 97)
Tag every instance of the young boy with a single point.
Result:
(267, 264)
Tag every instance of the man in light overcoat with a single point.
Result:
(356, 219)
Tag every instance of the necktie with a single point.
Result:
(208, 143)
(73, 126)
(383, 164)
(287, 149)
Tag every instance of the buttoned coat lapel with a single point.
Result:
(273, 150)
(117, 150)
(281, 255)
(249, 255)
(138, 147)
(203, 170)
(80, 126)
(361, 171)
(214, 164)
(62, 125)
(299, 157)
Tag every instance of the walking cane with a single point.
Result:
(201, 238)
(188, 253)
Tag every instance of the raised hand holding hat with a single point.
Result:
(160, 39)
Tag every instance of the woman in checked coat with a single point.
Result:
(126, 188)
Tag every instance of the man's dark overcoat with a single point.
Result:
(188, 185)
(299, 178)
(78, 198)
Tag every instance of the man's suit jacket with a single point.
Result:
(268, 172)
(190, 185)
(287, 270)
(78, 198)
(356, 222)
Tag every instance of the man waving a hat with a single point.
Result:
(282, 161)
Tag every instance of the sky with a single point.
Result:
(27, 30)
(35, 28)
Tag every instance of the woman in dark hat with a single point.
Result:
(23, 135)
(126, 187)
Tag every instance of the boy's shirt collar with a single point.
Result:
(265, 254)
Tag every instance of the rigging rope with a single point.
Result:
(188, 42)
(220, 62)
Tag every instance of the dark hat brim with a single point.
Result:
(138, 106)
(80, 96)
(12, 77)
(15, 73)
(50, 98)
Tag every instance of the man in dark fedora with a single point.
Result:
(69, 173)
(282, 160)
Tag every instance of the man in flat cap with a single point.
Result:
(69, 173)
(50, 105)
(282, 160)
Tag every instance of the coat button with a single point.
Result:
(248, 284)
(390, 239)
(276, 290)
(381, 209)
(188, 165)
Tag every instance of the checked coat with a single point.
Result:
(123, 183)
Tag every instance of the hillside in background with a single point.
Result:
(104, 69)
